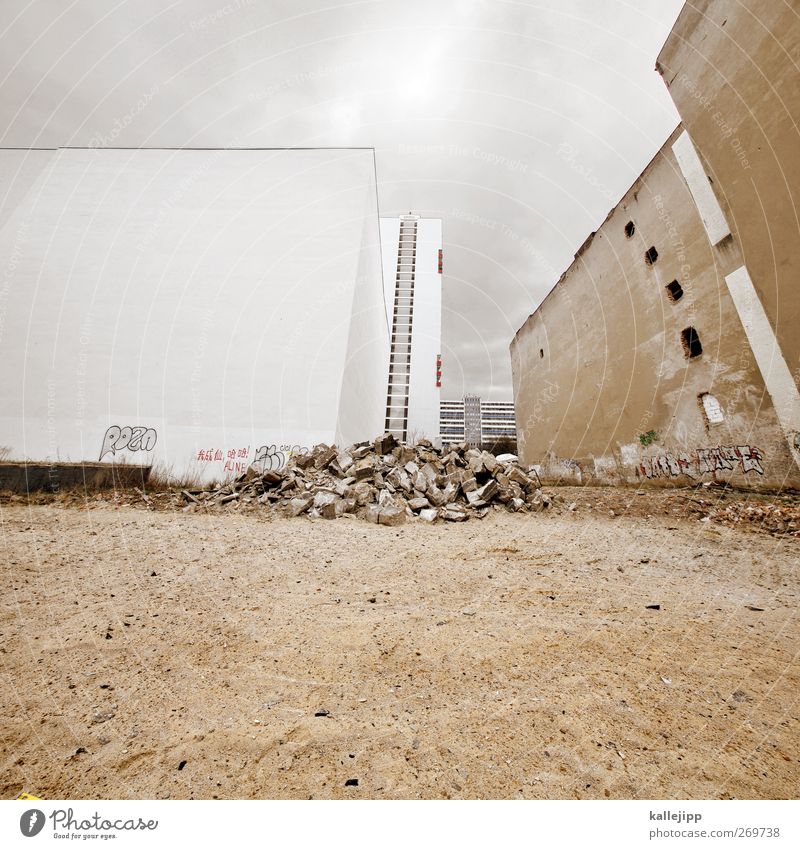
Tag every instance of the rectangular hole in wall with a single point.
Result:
(674, 291)
(691, 343)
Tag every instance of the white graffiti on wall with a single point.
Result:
(723, 458)
(128, 439)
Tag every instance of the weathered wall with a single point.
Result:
(603, 388)
(731, 68)
(192, 309)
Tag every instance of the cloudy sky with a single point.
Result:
(520, 124)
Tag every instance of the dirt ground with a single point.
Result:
(170, 654)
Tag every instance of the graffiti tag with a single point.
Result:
(234, 459)
(270, 458)
(723, 458)
(128, 439)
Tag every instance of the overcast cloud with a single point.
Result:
(520, 124)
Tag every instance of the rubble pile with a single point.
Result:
(774, 518)
(387, 482)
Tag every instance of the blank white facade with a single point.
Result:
(199, 310)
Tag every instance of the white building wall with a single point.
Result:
(426, 341)
(206, 295)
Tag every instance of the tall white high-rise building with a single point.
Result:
(412, 269)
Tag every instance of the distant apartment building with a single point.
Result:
(485, 424)
(412, 269)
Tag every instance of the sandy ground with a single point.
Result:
(177, 655)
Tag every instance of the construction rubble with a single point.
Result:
(387, 482)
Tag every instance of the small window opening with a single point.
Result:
(711, 409)
(541, 353)
(691, 343)
(651, 255)
(630, 229)
(674, 291)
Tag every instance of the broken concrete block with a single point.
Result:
(435, 495)
(393, 478)
(324, 456)
(298, 505)
(488, 491)
(468, 484)
(454, 514)
(430, 472)
(363, 469)
(534, 503)
(363, 492)
(405, 483)
(341, 489)
(411, 467)
(405, 454)
(344, 461)
(489, 461)
(329, 510)
(449, 493)
(384, 444)
(373, 512)
(516, 475)
(392, 516)
(420, 482)
(323, 497)
(516, 504)
(302, 461)
(385, 499)
(429, 514)
(419, 503)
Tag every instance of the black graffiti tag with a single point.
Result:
(128, 438)
(269, 458)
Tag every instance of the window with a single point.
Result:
(711, 409)
(691, 343)
(650, 255)
(674, 291)
(630, 229)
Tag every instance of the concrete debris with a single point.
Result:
(385, 482)
(778, 519)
